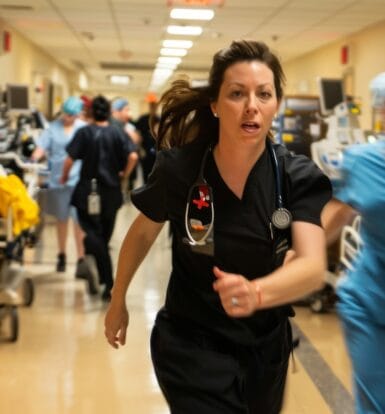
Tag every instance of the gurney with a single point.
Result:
(19, 215)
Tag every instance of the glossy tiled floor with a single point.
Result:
(62, 364)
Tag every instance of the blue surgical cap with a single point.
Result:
(119, 104)
(72, 106)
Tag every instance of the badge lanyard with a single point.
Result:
(199, 213)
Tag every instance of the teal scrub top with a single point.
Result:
(54, 141)
(363, 187)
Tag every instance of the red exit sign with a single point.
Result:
(171, 3)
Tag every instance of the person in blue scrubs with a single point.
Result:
(52, 145)
(361, 294)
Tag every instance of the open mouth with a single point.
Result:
(250, 126)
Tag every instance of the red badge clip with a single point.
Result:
(204, 195)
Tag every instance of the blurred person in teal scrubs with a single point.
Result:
(361, 294)
(52, 145)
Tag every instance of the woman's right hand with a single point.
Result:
(115, 324)
(137, 242)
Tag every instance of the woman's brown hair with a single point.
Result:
(186, 114)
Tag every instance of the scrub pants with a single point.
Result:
(202, 375)
(98, 231)
(366, 344)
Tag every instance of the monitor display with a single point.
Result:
(17, 97)
(331, 94)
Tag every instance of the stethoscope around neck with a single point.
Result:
(199, 213)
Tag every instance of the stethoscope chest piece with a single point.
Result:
(281, 218)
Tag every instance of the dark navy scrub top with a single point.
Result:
(103, 151)
(242, 234)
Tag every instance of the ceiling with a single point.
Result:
(106, 37)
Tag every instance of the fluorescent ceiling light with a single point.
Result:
(119, 79)
(156, 86)
(166, 51)
(161, 65)
(192, 14)
(185, 30)
(157, 82)
(171, 60)
(184, 44)
(199, 83)
(160, 76)
(83, 81)
(162, 73)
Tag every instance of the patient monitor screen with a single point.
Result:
(331, 94)
(17, 98)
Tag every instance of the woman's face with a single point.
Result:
(68, 120)
(247, 102)
(124, 115)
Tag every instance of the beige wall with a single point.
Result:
(28, 64)
(367, 59)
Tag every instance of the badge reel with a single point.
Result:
(93, 199)
(199, 217)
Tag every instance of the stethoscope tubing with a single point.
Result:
(277, 176)
(280, 210)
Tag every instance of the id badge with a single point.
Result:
(93, 204)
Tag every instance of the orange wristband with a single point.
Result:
(258, 292)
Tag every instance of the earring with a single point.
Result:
(216, 115)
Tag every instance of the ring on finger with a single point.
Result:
(234, 301)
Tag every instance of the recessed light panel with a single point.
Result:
(192, 14)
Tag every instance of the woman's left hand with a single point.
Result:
(238, 295)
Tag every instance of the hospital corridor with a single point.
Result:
(215, 166)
